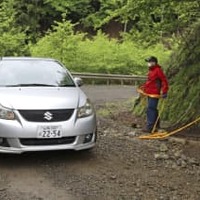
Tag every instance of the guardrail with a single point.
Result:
(111, 78)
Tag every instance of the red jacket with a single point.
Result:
(156, 81)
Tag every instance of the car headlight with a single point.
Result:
(6, 113)
(85, 110)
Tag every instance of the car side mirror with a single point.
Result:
(78, 81)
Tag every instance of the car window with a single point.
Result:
(33, 73)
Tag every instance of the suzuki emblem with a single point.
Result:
(48, 116)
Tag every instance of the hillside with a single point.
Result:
(182, 104)
(184, 75)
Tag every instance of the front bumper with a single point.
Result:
(16, 147)
(13, 132)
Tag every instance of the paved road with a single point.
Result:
(102, 94)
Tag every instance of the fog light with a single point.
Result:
(4, 142)
(88, 138)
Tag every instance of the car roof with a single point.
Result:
(28, 59)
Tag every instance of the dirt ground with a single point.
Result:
(120, 167)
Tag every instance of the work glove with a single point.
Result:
(164, 96)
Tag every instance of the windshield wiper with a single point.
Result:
(67, 85)
(31, 85)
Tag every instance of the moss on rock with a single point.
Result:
(184, 75)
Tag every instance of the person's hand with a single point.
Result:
(142, 86)
(164, 96)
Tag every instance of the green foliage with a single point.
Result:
(184, 74)
(12, 40)
(99, 54)
(61, 43)
(35, 17)
(75, 10)
(144, 21)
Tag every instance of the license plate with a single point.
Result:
(49, 132)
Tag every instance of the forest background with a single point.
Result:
(107, 36)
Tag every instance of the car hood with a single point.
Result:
(41, 98)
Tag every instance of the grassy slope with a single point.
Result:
(184, 74)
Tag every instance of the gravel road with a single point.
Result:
(120, 167)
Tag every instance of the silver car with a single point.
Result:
(42, 107)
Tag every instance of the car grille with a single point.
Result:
(42, 142)
(46, 115)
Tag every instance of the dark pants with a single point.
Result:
(152, 113)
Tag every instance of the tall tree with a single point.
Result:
(12, 39)
(146, 18)
(35, 17)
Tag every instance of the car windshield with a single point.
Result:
(25, 73)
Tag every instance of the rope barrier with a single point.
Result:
(161, 135)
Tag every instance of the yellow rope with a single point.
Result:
(166, 134)
(157, 96)
(160, 135)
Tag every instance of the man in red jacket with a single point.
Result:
(155, 87)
